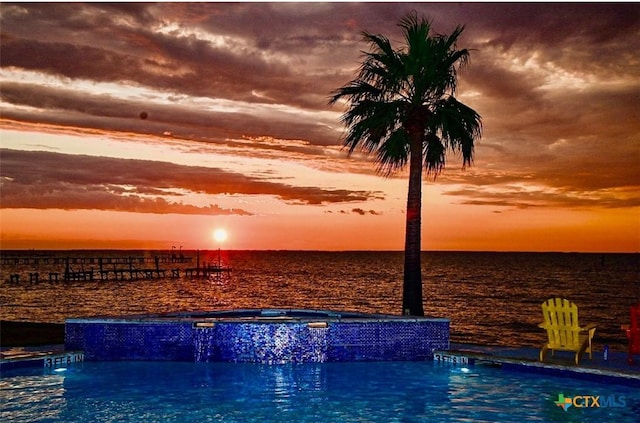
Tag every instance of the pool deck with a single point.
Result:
(616, 369)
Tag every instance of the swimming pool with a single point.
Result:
(426, 391)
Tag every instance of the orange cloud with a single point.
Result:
(52, 180)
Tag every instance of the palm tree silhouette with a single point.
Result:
(402, 108)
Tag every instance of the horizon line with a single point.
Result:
(169, 250)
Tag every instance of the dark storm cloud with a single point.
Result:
(110, 46)
(556, 84)
(272, 47)
(581, 36)
(53, 180)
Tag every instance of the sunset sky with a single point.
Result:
(238, 134)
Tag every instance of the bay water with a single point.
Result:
(492, 298)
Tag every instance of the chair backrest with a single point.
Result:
(561, 321)
(634, 328)
(635, 317)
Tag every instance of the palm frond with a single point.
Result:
(434, 153)
(393, 155)
(399, 87)
(370, 123)
(459, 126)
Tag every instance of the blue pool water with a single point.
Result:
(310, 392)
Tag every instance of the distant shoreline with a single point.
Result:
(23, 334)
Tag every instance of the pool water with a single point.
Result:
(310, 392)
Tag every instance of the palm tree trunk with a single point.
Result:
(412, 287)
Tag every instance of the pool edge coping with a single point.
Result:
(533, 366)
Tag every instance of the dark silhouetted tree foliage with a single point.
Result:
(402, 108)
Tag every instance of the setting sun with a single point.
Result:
(220, 235)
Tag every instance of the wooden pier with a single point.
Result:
(73, 269)
(121, 274)
(205, 271)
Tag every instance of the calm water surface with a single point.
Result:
(491, 298)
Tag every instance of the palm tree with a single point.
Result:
(402, 108)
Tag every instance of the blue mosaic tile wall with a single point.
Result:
(106, 341)
(261, 342)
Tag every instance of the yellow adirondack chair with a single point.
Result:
(563, 330)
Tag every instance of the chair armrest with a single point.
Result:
(591, 329)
